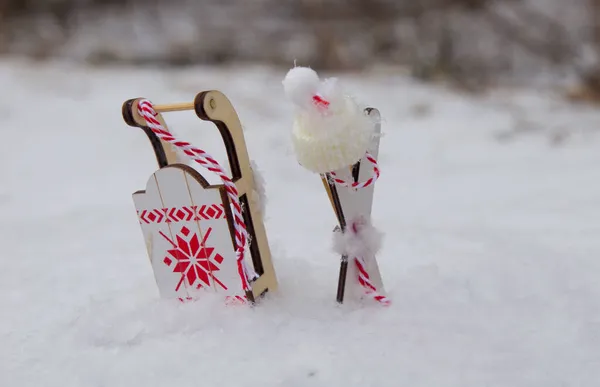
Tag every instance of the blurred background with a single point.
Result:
(489, 195)
(470, 43)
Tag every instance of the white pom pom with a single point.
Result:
(361, 239)
(300, 84)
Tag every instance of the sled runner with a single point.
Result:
(196, 234)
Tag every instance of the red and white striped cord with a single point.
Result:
(201, 157)
(365, 281)
(356, 185)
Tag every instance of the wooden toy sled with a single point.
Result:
(188, 224)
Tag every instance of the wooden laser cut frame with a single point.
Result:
(215, 107)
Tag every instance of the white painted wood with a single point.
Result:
(184, 231)
(184, 266)
(149, 206)
(208, 201)
(360, 203)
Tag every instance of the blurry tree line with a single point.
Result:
(472, 42)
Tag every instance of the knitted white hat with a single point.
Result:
(330, 131)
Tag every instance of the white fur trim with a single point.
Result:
(363, 240)
(326, 140)
(259, 194)
(328, 143)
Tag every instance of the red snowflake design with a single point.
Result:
(194, 260)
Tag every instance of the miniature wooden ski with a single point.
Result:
(192, 229)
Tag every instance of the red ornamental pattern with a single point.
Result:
(190, 257)
(176, 214)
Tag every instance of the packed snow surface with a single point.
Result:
(490, 207)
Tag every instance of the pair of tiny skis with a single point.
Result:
(348, 204)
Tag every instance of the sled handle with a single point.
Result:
(174, 107)
(211, 106)
(164, 152)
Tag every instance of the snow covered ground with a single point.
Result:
(491, 255)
